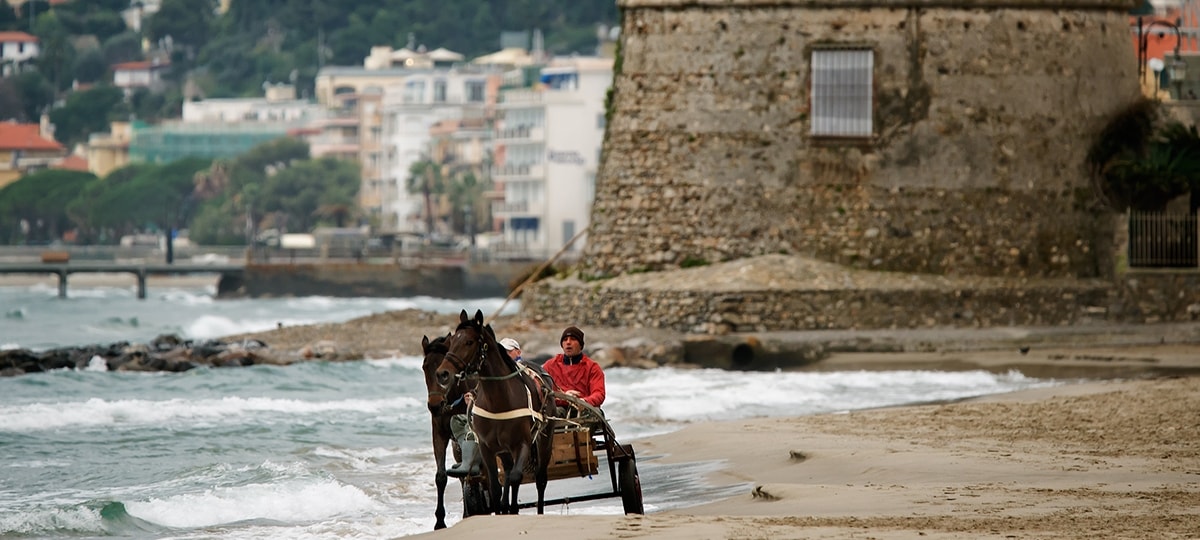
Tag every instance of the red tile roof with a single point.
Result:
(13, 37)
(14, 136)
(73, 162)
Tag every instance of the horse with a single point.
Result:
(443, 403)
(511, 415)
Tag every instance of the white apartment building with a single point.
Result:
(278, 105)
(547, 146)
(411, 106)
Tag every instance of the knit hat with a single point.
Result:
(510, 344)
(573, 332)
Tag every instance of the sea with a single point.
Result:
(318, 449)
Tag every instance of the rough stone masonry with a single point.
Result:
(982, 115)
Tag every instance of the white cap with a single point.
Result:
(510, 344)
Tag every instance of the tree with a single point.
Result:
(103, 24)
(37, 94)
(187, 22)
(30, 11)
(233, 215)
(90, 66)
(1167, 168)
(56, 54)
(83, 209)
(308, 191)
(156, 198)
(86, 112)
(425, 177)
(467, 194)
(1142, 162)
(33, 207)
(123, 47)
(10, 101)
(8, 17)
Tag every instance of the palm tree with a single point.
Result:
(1168, 167)
(425, 177)
(1142, 163)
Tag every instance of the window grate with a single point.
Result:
(842, 92)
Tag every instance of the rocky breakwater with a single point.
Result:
(164, 353)
(382, 335)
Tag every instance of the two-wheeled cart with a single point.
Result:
(580, 439)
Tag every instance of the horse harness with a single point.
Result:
(539, 420)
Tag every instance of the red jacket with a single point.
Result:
(584, 376)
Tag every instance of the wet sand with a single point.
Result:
(1111, 459)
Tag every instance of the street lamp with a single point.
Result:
(1177, 69)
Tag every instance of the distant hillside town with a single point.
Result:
(518, 129)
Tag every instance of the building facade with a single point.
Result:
(16, 48)
(900, 135)
(27, 148)
(548, 139)
(410, 109)
(130, 76)
(279, 104)
(172, 141)
(107, 152)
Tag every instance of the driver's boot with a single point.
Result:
(470, 461)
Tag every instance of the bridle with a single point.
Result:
(470, 368)
(440, 348)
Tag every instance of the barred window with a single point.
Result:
(842, 93)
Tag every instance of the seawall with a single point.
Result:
(481, 280)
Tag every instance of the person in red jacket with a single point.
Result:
(573, 372)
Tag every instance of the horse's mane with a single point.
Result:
(438, 345)
(491, 337)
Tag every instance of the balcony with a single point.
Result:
(524, 170)
(523, 95)
(521, 133)
(501, 208)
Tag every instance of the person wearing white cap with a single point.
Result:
(512, 347)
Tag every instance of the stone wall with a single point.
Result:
(1136, 298)
(983, 115)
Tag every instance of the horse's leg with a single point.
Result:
(540, 474)
(516, 474)
(509, 497)
(493, 475)
(440, 440)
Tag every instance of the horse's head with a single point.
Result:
(439, 398)
(465, 349)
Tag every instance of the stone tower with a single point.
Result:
(927, 136)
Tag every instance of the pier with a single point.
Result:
(140, 270)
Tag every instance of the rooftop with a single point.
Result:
(14, 136)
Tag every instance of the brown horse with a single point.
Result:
(443, 403)
(511, 413)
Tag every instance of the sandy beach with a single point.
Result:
(1117, 458)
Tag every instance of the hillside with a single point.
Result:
(234, 53)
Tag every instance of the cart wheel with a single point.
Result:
(475, 498)
(631, 484)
